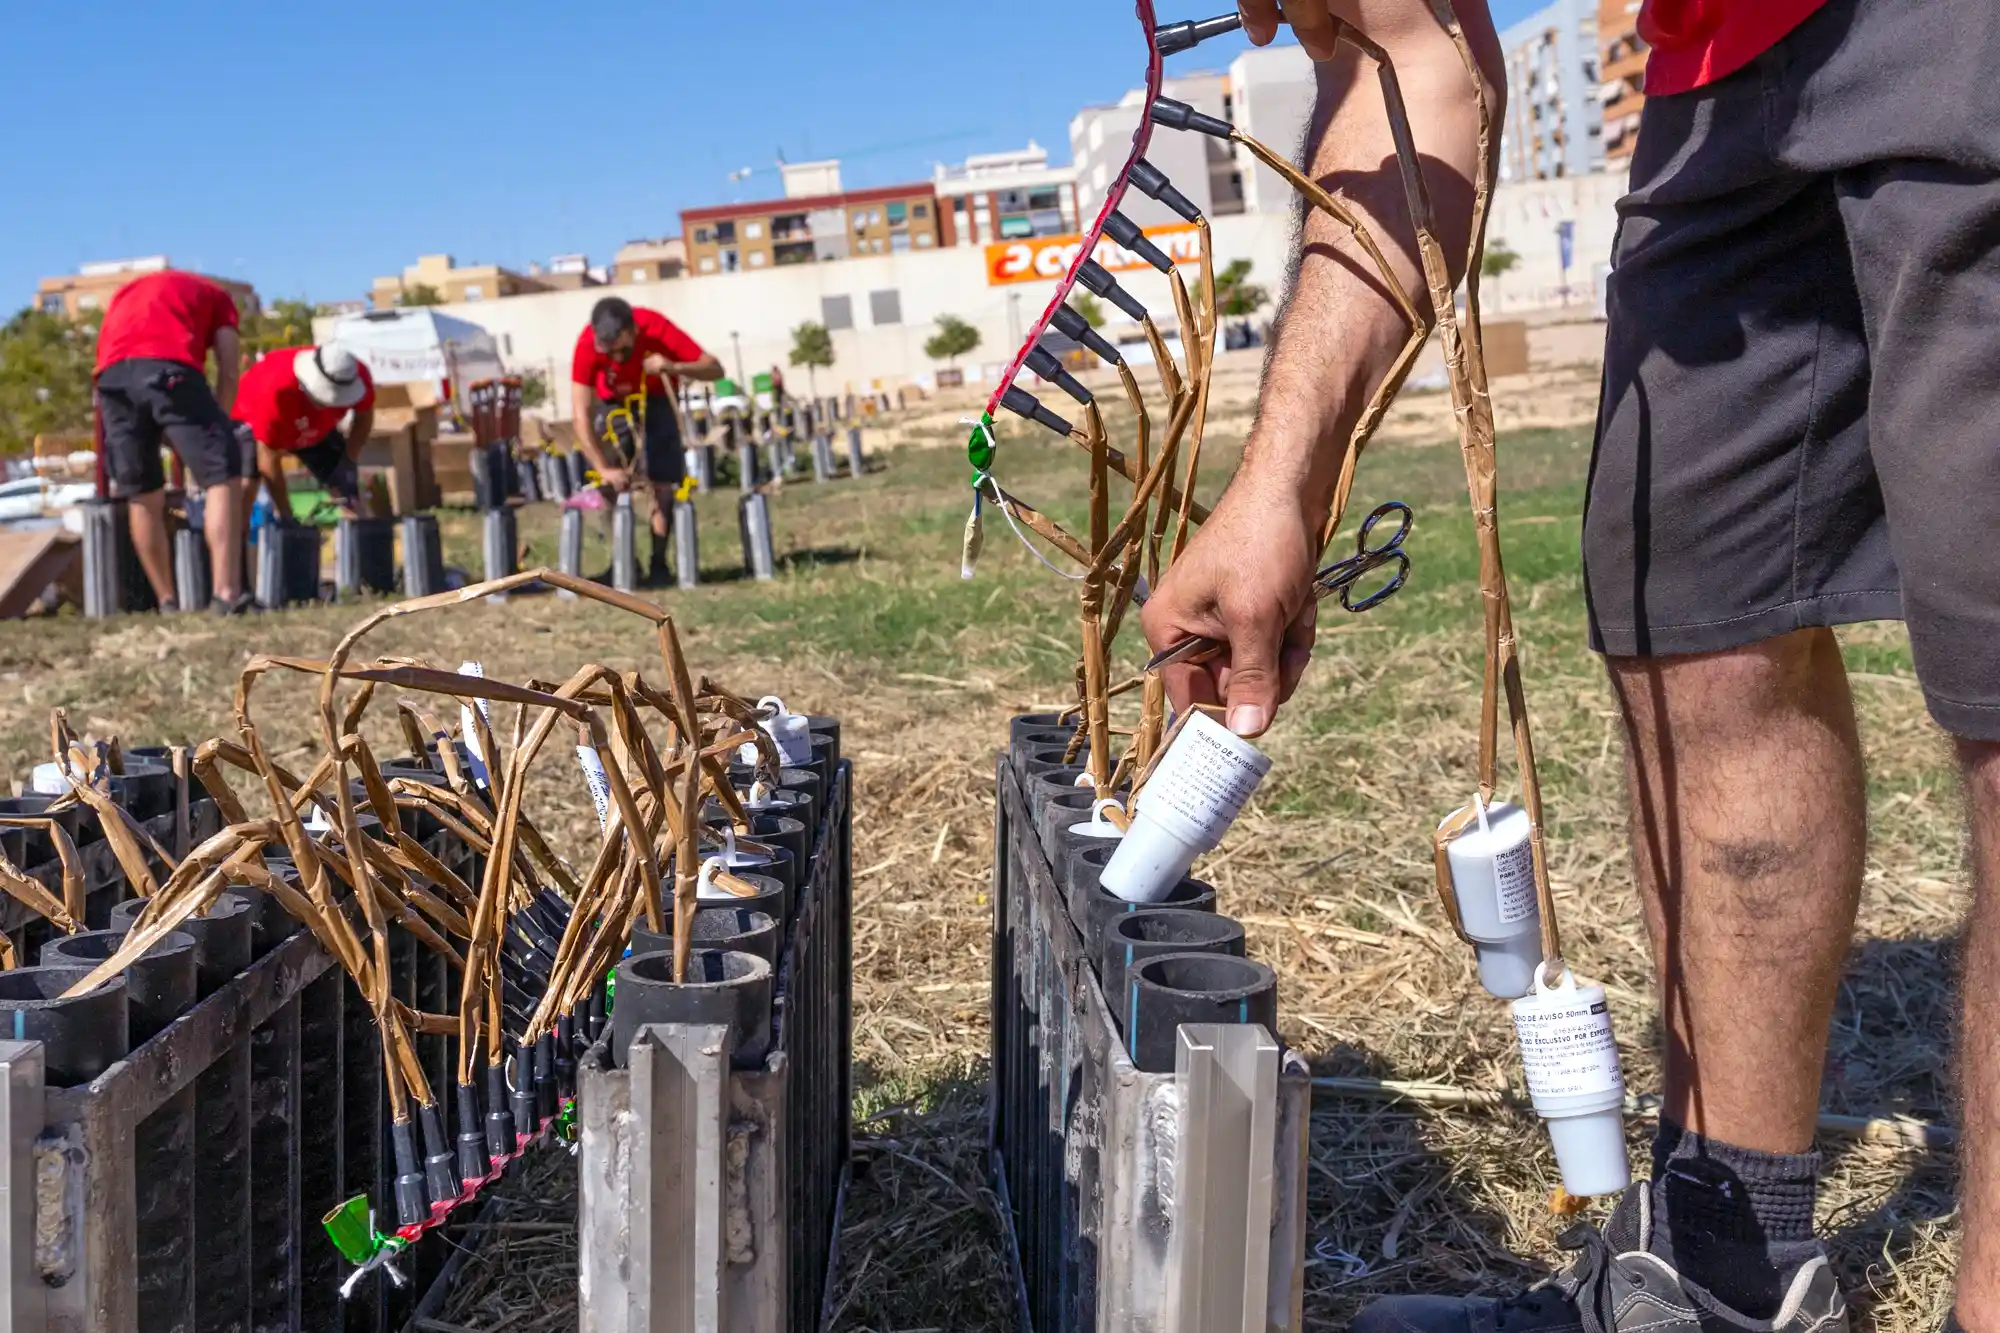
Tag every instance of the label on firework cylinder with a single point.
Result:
(1514, 876)
(1203, 781)
(600, 784)
(789, 731)
(1566, 1045)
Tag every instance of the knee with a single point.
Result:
(1776, 675)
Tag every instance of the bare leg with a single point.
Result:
(663, 513)
(222, 521)
(1748, 832)
(1979, 1050)
(148, 515)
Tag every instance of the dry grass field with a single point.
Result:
(1330, 867)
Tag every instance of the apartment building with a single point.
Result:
(806, 229)
(93, 285)
(1267, 93)
(455, 282)
(1623, 91)
(649, 260)
(1554, 125)
(1008, 196)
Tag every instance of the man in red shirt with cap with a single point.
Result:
(156, 336)
(1801, 384)
(292, 402)
(623, 383)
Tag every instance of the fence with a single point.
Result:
(711, 1196)
(1133, 1202)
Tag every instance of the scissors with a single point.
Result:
(1341, 576)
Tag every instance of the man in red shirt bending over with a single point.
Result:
(292, 403)
(1798, 430)
(624, 376)
(156, 336)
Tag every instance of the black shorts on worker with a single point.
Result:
(665, 462)
(327, 460)
(1801, 415)
(143, 402)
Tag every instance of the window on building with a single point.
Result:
(86, 302)
(792, 252)
(708, 263)
(886, 307)
(638, 274)
(753, 231)
(899, 242)
(1015, 226)
(923, 240)
(920, 210)
(757, 259)
(52, 303)
(836, 312)
(725, 233)
(474, 292)
(729, 262)
(899, 213)
(1048, 198)
(702, 236)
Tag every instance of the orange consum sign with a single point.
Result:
(1045, 258)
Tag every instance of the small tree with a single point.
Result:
(953, 339)
(420, 293)
(1235, 295)
(1498, 260)
(282, 324)
(534, 388)
(812, 347)
(45, 372)
(1088, 306)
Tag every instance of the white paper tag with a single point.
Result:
(1514, 879)
(1204, 780)
(470, 732)
(600, 783)
(1566, 1045)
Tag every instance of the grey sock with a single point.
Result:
(1735, 1221)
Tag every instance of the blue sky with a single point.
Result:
(309, 148)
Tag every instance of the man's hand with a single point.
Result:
(1261, 607)
(616, 479)
(1312, 20)
(659, 365)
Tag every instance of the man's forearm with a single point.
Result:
(586, 438)
(359, 430)
(1341, 330)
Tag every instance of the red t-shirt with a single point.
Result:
(1696, 42)
(167, 316)
(612, 380)
(278, 411)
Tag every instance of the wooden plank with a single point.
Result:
(29, 562)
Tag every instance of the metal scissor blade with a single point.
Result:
(1187, 651)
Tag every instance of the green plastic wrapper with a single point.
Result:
(352, 1231)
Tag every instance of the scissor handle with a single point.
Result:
(1391, 508)
(1382, 594)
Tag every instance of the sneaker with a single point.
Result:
(241, 605)
(1616, 1285)
(657, 573)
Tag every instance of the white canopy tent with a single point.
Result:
(419, 345)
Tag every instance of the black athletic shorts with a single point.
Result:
(1801, 415)
(665, 460)
(143, 401)
(330, 465)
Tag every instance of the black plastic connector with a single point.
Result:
(412, 1204)
(527, 1117)
(1095, 277)
(1180, 116)
(1019, 401)
(1043, 362)
(1071, 325)
(440, 1162)
(1174, 38)
(1126, 232)
(473, 1165)
(1150, 181)
(500, 1142)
